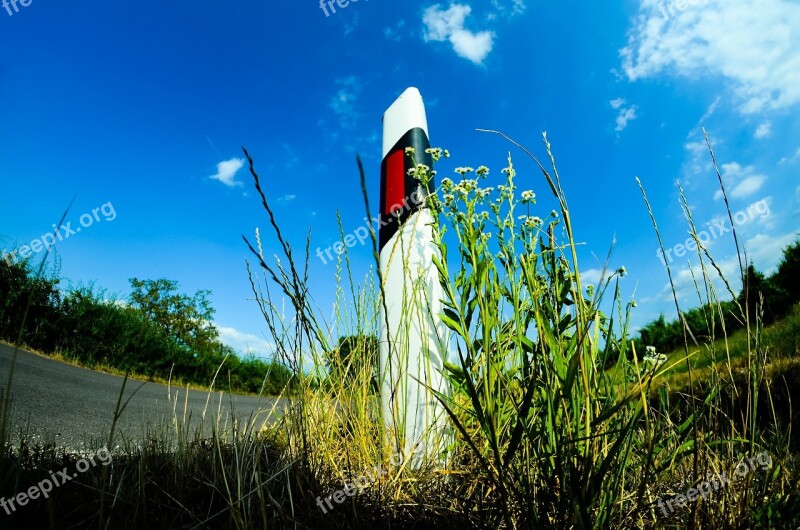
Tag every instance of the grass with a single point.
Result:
(541, 436)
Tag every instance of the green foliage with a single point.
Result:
(353, 355)
(768, 298)
(787, 278)
(19, 286)
(760, 294)
(161, 333)
(187, 320)
(97, 329)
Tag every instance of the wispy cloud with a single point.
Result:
(343, 102)
(591, 276)
(245, 343)
(790, 159)
(512, 8)
(753, 46)
(449, 25)
(763, 130)
(625, 115)
(394, 33)
(226, 172)
(762, 249)
(742, 181)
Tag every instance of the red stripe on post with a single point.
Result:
(395, 181)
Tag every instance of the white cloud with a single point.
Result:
(763, 250)
(244, 343)
(516, 7)
(763, 130)
(226, 172)
(753, 45)
(592, 276)
(789, 159)
(740, 181)
(697, 162)
(448, 25)
(625, 115)
(748, 186)
(343, 102)
(287, 198)
(393, 33)
(709, 111)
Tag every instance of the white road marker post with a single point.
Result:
(414, 340)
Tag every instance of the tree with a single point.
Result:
(759, 293)
(665, 337)
(354, 355)
(787, 278)
(32, 297)
(186, 319)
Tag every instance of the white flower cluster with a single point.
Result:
(652, 359)
(530, 221)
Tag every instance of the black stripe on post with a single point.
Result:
(401, 193)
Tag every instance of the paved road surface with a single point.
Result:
(73, 407)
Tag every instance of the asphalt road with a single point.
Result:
(73, 407)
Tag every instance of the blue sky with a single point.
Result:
(145, 106)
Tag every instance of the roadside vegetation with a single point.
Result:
(158, 332)
(775, 296)
(556, 421)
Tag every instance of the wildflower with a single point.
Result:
(409, 151)
(528, 197)
(464, 170)
(506, 191)
(435, 152)
(532, 222)
(447, 184)
(622, 271)
(468, 185)
(482, 171)
(446, 153)
(448, 199)
(509, 171)
(483, 193)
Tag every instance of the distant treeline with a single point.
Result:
(771, 297)
(156, 332)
